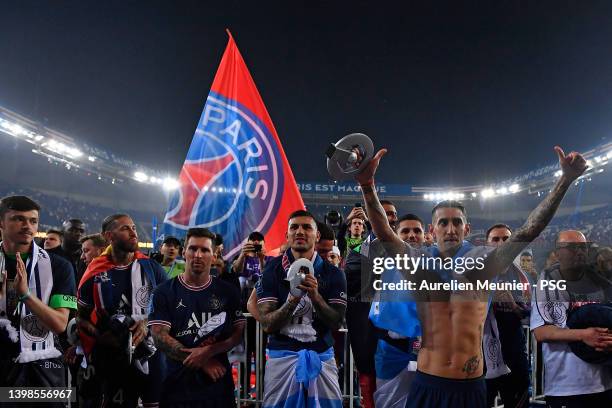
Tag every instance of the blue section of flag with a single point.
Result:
(231, 181)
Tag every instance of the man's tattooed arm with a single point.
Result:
(273, 319)
(538, 219)
(377, 216)
(168, 344)
(573, 165)
(331, 315)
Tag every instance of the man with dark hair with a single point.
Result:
(570, 381)
(504, 338)
(350, 232)
(300, 322)
(528, 266)
(450, 365)
(196, 319)
(170, 250)
(72, 231)
(249, 266)
(251, 261)
(36, 294)
(498, 234)
(398, 329)
(112, 309)
(326, 243)
(358, 266)
(411, 229)
(53, 240)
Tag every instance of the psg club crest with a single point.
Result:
(231, 181)
(236, 178)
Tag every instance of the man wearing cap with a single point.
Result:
(170, 250)
(333, 256)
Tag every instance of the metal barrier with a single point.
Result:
(348, 380)
(244, 384)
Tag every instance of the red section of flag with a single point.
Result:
(234, 81)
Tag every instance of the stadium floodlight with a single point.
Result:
(502, 191)
(140, 177)
(38, 138)
(474, 194)
(425, 196)
(514, 188)
(18, 130)
(597, 159)
(589, 163)
(75, 152)
(170, 184)
(487, 193)
(558, 173)
(91, 158)
(609, 155)
(461, 196)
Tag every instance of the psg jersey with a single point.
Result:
(194, 315)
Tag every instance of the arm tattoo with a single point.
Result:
(538, 219)
(331, 315)
(167, 343)
(543, 213)
(272, 319)
(470, 366)
(378, 218)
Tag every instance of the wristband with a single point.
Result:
(25, 296)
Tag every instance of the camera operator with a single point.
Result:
(351, 233)
(249, 266)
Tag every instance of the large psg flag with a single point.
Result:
(236, 178)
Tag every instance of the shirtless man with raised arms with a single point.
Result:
(450, 363)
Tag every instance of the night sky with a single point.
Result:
(460, 94)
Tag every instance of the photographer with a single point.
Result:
(249, 266)
(351, 232)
